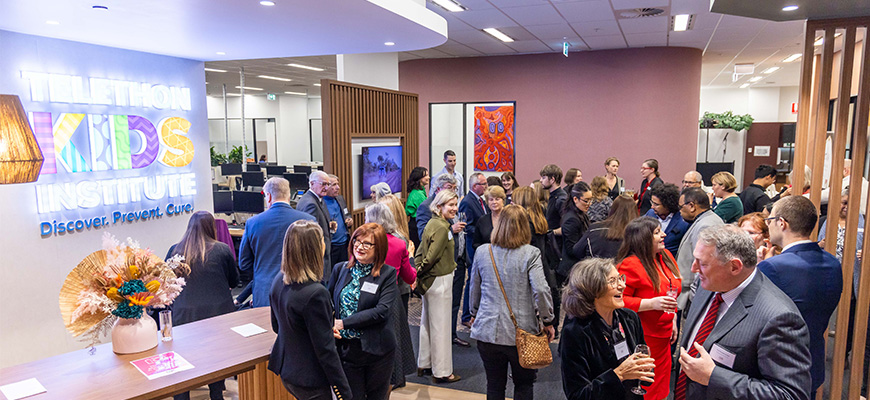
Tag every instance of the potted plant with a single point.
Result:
(726, 120)
(237, 155)
(217, 158)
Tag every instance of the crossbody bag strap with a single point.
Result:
(497, 276)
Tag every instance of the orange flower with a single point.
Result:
(140, 299)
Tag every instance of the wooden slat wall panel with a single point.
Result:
(815, 92)
(354, 111)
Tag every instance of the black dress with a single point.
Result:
(207, 290)
(574, 225)
(588, 357)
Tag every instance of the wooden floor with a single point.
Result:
(412, 391)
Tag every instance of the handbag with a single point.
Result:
(533, 350)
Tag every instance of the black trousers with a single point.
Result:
(309, 393)
(367, 374)
(496, 359)
(338, 253)
(458, 289)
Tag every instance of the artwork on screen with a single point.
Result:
(380, 164)
(494, 138)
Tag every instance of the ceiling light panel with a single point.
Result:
(297, 93)
(214, 70)
(450, 5)
(305, 67)
(770, 70)
(792, 57)
(755, 79)
(274, 78)
(248, 88)
(682, 22)
(498, 35)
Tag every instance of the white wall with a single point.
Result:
(770, 104)
(373, 69)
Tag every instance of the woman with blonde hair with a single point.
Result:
(496, 200)
(730, 208)
(599, 207)
(435, 261)
(304, 354)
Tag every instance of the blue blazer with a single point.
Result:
(813, 279)
(675, 231)
(262, 245)
(471, 207)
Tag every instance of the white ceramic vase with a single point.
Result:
(134, 335)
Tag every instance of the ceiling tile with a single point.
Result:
(470, 36)
(629, 4)
(647, 39)
(706, 21)
(605, 42)
(454, 23)
(585, 11)
(551, 31)
(644, 25)
(482, 19)
(597, 28)
(690, 7)
(533, 15)
(431, 53)
(494, 47)
(573, 41)
(529, 46)
(459, 50)
(690, 36)
(473, 5)
(517, 3)
(517, 33)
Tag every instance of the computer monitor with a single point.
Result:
(302, 169)
(253, 179)
(297, 181)
(249, 202)
(271, 163)
(251, 167)
(231, 169)
(320, 168)
(275, 169)
(223, 202)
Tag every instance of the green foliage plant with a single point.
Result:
(726, 120)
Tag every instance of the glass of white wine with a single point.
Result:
(643, 350)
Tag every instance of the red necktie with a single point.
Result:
(482, 207)
(700, 337)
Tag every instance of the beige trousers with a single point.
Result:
(435, 337)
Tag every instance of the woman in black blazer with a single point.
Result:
(304, 354)
(599, 336)
(649, 170)
(575, 222)
(363, 290)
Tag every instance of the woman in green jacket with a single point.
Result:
(418, 181)
(435, 264)
(730, 208)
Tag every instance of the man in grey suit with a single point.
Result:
(312, 203)
(695, 209)
(743, 338)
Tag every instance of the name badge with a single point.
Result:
(722, 356)
(345, 210)
(621, 349)
(369, 287)
(449, 235)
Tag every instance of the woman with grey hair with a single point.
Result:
(600, 335)
(397, 257)
(435, 263)
(379, 190)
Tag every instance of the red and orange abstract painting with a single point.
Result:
(494, 138)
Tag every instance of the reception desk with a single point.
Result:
(214, 350)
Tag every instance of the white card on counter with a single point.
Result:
(722, 356)
(621, 349)
(247, 330)
(369, 287)
(20, 390)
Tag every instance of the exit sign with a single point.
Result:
(271, 96)
(794, 107)
(565, 47)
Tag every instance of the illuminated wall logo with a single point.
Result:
(80, 147)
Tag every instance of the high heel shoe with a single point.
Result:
(424, 371)
(450, 379)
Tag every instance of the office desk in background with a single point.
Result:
(215, 351)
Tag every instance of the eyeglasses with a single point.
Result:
(685, 204)
(645, 168)
(769, 219)
(654, 204)
(690, 182)
(585, 201)
(362, 245)
(615, 282)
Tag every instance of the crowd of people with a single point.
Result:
(667, 290)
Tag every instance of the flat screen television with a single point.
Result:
(380, 164)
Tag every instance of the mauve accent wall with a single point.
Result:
(633, 104)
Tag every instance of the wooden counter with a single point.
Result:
(214, 350)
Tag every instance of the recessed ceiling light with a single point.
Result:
(52, 22)
(450, 5)
(274, 78)
(267, 3)
(389, 43)
(297, 93)
(770, 70)
(248, 88)
(744, 86)
(790, 8)
(220, 53)
(755, 79)
(214, 70)
(681, 22)
(792, 57)
(305, 67)
(316, 84)
(498, 35)
(100, 8)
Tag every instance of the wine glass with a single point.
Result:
(643, 350)
(672, 293)
(461, 217)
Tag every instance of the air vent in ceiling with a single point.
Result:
(641, 12)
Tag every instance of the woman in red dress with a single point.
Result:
(652, 283)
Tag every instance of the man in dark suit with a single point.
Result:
(338, 212)
(695, 209)
(263, 241)
(474, 207)
(812, 277)
(424, 214)
(312, 203)
(743, 337)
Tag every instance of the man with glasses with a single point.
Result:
(811, 277)
(338, 213)
(472, 207)
(693, 179)
(694, 208)
(312, 203)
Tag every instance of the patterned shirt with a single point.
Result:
(350, 296)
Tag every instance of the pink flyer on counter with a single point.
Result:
(161, 365)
